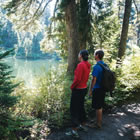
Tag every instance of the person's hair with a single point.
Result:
(100, 53)
(84, 54)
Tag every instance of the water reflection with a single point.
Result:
(27, 70)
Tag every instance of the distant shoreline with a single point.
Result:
(35, 58)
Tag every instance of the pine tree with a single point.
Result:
(105, 29)
(6, 99)
(6, 86)
(125, 27)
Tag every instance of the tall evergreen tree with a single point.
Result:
(6, 99)
(105, 29)
(72, 33)
(125, 26)
(6, 85)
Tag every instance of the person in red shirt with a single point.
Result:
(79, 90)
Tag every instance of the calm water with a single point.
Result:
(27, 70)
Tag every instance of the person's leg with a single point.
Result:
(99, 117)
(97, 104)
(100, 104)
(82, 113)
(74, 109)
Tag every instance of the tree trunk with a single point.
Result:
(77, 16)
(84, 23)
(138, 35)
(73, 38)
(124, 33)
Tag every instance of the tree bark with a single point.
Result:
(84, 23)
(124, 33)
(138, 36)
(73, 38)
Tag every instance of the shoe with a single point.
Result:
(82, 128)
(72, 133)
(94, 125)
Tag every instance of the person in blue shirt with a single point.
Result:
(96, 90)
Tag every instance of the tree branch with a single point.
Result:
(136, 7)
(45, 6)
(38, 8)
(55, 8)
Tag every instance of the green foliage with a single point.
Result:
(105, 29)
(131, 75)
(128, 77)
(26, 44)
(26, 14)
(64, 3)
(6, 86)
(11, 6)
(53, 100)
(101, 28)
(23, 127)
(59, 35)
(84, 22)
(7, 124)
(6, 31)
(48, 99)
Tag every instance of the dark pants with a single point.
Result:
(77, 109)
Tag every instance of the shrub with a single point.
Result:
(49, 99)
(128, 77)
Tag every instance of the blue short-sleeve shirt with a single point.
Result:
(97, 72)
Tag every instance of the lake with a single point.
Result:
(27, 70)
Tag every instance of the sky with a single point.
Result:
(51, 6)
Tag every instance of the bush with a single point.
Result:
(128, 77)
(49, 99)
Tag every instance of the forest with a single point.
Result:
(46, 36)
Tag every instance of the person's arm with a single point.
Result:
(93, 81)
(77, 76)
(94, 78)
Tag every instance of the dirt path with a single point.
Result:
(121, 124)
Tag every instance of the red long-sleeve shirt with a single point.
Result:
(81, 75)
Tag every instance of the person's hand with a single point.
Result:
(90, 93)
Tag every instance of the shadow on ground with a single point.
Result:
(121, 124)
